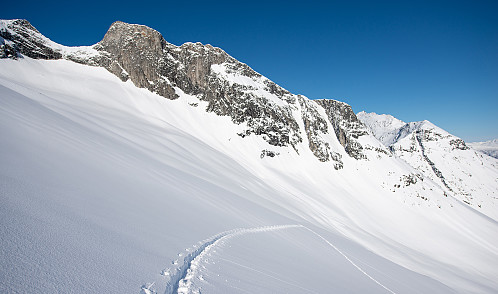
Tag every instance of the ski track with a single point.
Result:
(347, 258)
(181, 277)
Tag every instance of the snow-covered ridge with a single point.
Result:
(382, 126)
(121, 169)
(444, 158)
(20, 37)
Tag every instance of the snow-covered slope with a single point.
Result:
(488, 147)
(446, 159)
(383, 126)
(107, 186)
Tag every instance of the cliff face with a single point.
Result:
(346, 126)
(230, 88)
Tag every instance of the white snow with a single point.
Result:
(66, 51)
(488, 147)
(464, 174)
(104, 185)
(383, 126)
(254, 85)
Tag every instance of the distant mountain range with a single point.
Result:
(488, 147)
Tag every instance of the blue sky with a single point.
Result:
(434, 60)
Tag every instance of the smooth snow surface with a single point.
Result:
(109, 188)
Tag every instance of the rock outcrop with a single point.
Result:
(19, 37)
(346, 126)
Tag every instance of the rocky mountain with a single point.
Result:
(446, 159)
(136, 165)
(230, 88)
(488, 147)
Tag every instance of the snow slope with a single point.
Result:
(465, 174)
(488, 147)
(383, 126)
(105, 186)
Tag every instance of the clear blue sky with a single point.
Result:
(434, 60)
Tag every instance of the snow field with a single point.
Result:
(119, 180)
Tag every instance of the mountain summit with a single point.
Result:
(138, 166)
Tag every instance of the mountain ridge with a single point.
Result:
(142, 55)
(125, 180)
(230, 88)
(432, 150)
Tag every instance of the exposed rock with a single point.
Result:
(346, 126)
(427, 135)
(268, 153)
(315, 127)
(137, 52)
(411, 179)
(23, 39)
(458, 144)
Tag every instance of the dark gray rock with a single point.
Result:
(346, 126)
(268, 153)
(137, 53)
(25, 40)
(315, 126)
(458, 144)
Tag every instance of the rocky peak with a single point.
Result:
(123, 35)
(230, 88)
(136, 52)
(18, 37)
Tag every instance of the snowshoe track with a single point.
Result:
(181, 276)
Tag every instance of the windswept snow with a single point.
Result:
(103, 183)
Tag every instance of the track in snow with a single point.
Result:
(181, 277)
(348, 259)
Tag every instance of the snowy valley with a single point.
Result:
(138, 166)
